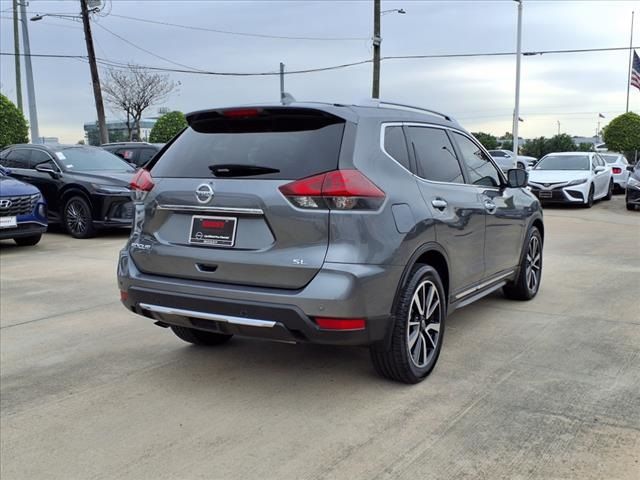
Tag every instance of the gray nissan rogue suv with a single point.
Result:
(327, 223)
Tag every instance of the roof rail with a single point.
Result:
(373, 102)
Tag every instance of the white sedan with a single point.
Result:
(618, 165)
(506, 160)
(571, 177)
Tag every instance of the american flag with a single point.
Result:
(635, 71)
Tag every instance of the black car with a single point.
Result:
(632, 195)
(136, 153)
(85, 187)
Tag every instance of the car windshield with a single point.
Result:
(563, 162)
(82, 159)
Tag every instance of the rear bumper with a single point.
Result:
(112, 210)
(337, 291)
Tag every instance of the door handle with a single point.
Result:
(439, 203)
(489, 206)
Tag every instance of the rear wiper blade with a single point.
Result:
(239, 170)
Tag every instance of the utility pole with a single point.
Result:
(558, 127)
(375, 90)
(31, 92)
(95, 79)
(282, 83)
(630, 61)
(16, 51)
(516, 112)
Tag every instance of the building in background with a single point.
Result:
(117, 131)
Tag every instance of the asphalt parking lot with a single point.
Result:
(537, 390)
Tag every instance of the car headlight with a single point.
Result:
(577, 182)
(632, 182)
(110, 189)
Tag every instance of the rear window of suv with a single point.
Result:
(296, 147)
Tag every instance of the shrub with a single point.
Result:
(13, 126)
(167, 127)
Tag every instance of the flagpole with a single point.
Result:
(516, 111)
(630, 61)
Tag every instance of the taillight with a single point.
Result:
(336, 190)
(616, 170)
(241, 112)
(141, 184)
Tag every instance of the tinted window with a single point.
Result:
(295, 152)
(481, 170)
(18, 158)
(435, 155)
(81, 159)
(145, 155)
(563, 162)
(38, 157)
(614, 159)
(396, 146)
(497, 153)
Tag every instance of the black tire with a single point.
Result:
(630, 207)
(28, 241)
(523, 287)
(78, 220)
(610, 191)
(200, 337)
(403, 362)
(589, 203)
(521, 166)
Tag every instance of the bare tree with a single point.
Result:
(134, 90)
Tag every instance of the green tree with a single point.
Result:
(167, 127)
(487, 140)
(623, 134)
(13, 126)
(535, 147)
(560, 143)
(585, 147)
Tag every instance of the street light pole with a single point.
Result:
(516, 112)
(95, 79)
(375, 90)
(16, 50)
(31, 92)
(558, 127)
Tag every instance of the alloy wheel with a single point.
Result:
(534, 264)
(77, 218)
(423, 332)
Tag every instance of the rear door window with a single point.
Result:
(295, 144)
(18, 158)
(38, 157)
(396, 146)
(435, 156)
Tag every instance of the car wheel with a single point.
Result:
(589, 202)
(418, 330)
(610, 191)
(521, 166)
(527, 284)
(28, 241)
(77, 218)
(200, 337)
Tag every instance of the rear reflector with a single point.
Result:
(123, 296)
(616, 170)
(142, 181)
(338, 190)
(341, 323)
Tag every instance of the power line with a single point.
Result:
(242, 34)
(189, 70)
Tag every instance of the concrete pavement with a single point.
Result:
(537, 390)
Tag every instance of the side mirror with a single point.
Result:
(5, 170)
(517, 178)
(47, 168)
(599, 169)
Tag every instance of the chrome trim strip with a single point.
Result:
(249, 322)
(199, 208)
(483, 285)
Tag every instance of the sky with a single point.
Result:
(479, 92)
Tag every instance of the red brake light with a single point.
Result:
(241, 112)
(341, 323)
(142, 181)
(337, 190)
(616, 170)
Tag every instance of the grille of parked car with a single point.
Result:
(20, 205)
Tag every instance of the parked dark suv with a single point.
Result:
(85, 187)
(327, 223)
(135, 153)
